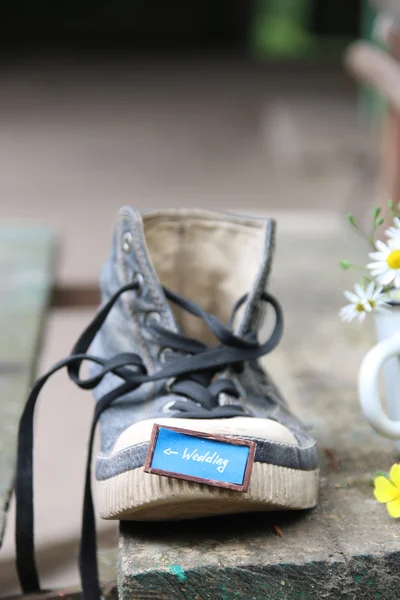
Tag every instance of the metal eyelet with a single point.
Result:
(139, 280)
(164, 354)
(224, 399)
(126, 241)
(153, 318)
(168, 384)
(167, 407)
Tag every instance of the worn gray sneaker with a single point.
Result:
(212, 259)
(175, 344)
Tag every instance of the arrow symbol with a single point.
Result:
(169, 451)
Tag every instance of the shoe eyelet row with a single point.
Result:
(132, 276)
(126, 241)
(164, 354)
(139, 280)
(126, 244)
(168, 384)
(168, 406)
(153, 318)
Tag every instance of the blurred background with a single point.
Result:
(213, 104)
(231, 104)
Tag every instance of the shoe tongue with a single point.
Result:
(253, 311)
(211, 258)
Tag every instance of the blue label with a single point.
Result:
(200, 457)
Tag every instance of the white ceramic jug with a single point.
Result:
(385, 354)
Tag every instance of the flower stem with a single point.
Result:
(370, 239)
(357, 267)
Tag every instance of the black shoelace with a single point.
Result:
(189, 376)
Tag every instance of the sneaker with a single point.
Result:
(175, 345)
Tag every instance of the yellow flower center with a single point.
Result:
(393, 260)
(359, 307)
(372, 303)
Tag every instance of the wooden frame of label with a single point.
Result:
(209, 436)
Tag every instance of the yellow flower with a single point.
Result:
(388, 491)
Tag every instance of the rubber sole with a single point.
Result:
(139, 496)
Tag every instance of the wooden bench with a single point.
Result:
(26, 278)
(28, 291)
(347, 547)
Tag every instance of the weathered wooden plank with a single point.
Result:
(348, 547)
(26, 273)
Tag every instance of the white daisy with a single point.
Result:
(386, 265)
(394, 231)
(363, 301)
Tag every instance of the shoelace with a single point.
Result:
(190, 375)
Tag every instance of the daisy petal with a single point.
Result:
(394, 243)
(387, 277)
(347, 313)
(369, 290)
(359, 290)
(351, 297)
(392, 232)
(395, 475)
(378, 263)
(377, 293)
(377, 267)
(382, 247)
(377, 255)
(384, 490)
(361, 316)
(393, 508)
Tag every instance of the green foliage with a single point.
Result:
(376, 212)
(345, 265)
(351, 220)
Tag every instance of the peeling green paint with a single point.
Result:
(228, 594)
(179, 572)
(363, 578)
